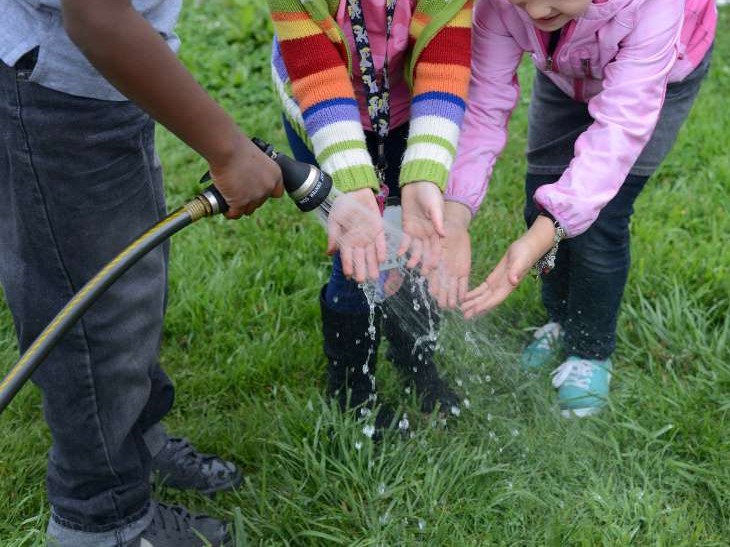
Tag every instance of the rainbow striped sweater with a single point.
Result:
(312, 68)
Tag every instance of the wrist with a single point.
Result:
(542, 234)
(223, 149)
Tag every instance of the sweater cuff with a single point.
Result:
(424, 170)
(356, 178)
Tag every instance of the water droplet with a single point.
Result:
(381, 488)
(421, 525)
(455, 410)
(310, 406)
(459, 382)
(407, 390)
(403, 425)
(515, 432)
(467, 403)
(335, 299)
(368, 431)
(509, 485)
(365, 412)
(357, 341)
(492, 435)
(489, 417)
(384, 518)
(487, 378)
(358, 445)
(365, 368)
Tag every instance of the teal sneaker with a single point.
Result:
(582, 386)
(544, 348)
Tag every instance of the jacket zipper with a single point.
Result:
(551, 58)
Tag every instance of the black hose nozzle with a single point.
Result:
(306, 184)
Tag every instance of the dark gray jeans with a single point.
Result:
(583, 293)
(80, 180)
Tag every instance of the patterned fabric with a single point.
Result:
(312, 68)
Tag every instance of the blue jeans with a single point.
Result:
(342, 294)
(583, 293)
(80, 180)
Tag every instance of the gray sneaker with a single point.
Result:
(173, 526)
(179, 465)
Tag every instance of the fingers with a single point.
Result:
(346, 258)
(437, 220)
(359, 265)
(476, 302)
(462, 288)
(372, 264)
(278, 190)
(333, 236)
(416, 253)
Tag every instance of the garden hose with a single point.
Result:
(206, 204)
(305, 184)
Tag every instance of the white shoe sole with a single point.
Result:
(580, 412)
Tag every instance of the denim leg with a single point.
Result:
(599, 264)
(554, 284)
(81, 180)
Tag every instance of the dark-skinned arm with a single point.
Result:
(128, 52)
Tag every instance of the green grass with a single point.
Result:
(242, 343)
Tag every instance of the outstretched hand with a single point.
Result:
(511, 269)
(449, 282)
(355, 228)
(423, 224)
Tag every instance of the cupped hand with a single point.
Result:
(355, 228)
(423, 224)
(246, 178)
(449, 282)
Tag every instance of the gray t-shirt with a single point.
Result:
(26, 24)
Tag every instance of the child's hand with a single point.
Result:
(449, 282)
(246, 178)
(355, 227)
(513, 267)
(423, 224)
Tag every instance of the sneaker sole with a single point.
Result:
(580, 412)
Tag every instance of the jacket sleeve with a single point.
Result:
(625, 114)
(493, 94)
(324, 100)
(440, 84)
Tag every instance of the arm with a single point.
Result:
(323, 91)
(127, 51)
(493, 94)
(625, 114)
(440, 84)
(322, 88)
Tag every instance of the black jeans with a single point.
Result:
(80, 180)
(583, 292)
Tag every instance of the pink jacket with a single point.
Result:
(618, 57)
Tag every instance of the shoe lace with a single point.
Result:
(185, 454)
(171, 517)
(574, 372)
(547, 335)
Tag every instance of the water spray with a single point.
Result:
(308, 186)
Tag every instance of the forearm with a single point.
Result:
(457, 214)
(128, 52)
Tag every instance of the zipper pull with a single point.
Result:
(586, 65)
(549, 63)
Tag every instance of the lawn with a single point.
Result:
(243, 345)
